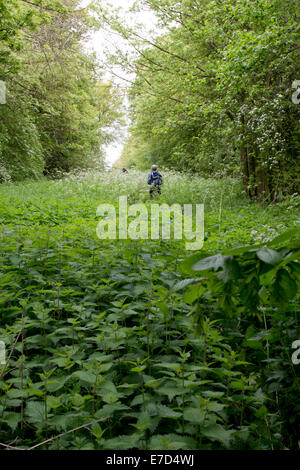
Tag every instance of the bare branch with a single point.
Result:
(65, 433)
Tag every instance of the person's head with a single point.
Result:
(154, 167)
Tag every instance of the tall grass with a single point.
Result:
(229, 218)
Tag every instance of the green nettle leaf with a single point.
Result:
(35, 411)
(216, 432)
(108, 410)
(166, 412)
(123, 442)
(138, 369)
(217, 407)
(62, 421)
(12, 420)
(139, 399)
(194, 415)
(170, 390)
(153, 383)
(212, 394)
(261, 412)
(108, 387)
(174, 366)
(110, 398)
(144, 422)
(85, 376)
(253, 344)
(269, 256)
(285, 285)
(58, 383)
(189, 262)
(171, 442)
(193, 293)
(53, 402)
(14, 393)
(295, 267)
(163, 307)
(187, 282)
(212, 262)
(291, 235)
(97, 431)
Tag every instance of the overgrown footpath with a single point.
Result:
(139, 344)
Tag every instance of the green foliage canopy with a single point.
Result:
(59, 111)
(213, 91)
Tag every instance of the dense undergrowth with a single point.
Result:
(140, 344)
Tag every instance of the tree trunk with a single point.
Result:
(245, 169)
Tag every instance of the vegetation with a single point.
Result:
(140, 344)
(132, 344)
(58, 109)
(213, 93)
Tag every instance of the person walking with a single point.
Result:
(155, 180)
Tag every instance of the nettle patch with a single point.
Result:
(131, 344)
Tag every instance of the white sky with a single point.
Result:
(103, 40)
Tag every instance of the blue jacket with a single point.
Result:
(154, 177)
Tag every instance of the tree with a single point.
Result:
(16, 16)
(67, 109)
(214, 91)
